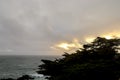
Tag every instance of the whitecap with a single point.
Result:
(35, 75)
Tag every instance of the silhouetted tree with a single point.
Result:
(98, 60)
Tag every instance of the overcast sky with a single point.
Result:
(33, 26)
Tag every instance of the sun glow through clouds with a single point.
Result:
(89, 39)
(108, 37)
(75, 44)
(68, 46)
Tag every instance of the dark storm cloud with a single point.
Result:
(33, 26)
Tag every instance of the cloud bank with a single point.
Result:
(33, 26)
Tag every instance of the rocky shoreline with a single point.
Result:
(28, 77)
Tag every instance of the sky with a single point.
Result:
(40, 27)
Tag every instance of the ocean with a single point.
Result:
(16, 66)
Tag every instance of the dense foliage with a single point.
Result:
(98, 60)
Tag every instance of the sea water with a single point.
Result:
(16, 66)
